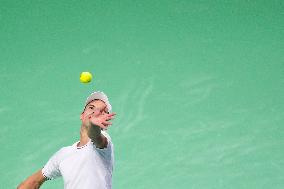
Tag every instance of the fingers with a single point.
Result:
(98, 114)
(112, 114)
(97, 119)
(106, 123)
(108, 117)
(102, 126)
(104, 118)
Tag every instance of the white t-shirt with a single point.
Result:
(85, 167)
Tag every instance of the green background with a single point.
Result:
(197, 87)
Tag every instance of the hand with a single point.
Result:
(101, 120)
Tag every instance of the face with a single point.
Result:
(96, 106)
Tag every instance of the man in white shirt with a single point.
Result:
(88, 163)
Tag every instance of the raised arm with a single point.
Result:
(97, 123)
(33, 182)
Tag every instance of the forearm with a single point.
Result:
(94, 123)
(32, 182)
(29, 185)
(94, 133)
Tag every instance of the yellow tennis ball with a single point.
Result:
(85, 77)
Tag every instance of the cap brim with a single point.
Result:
(100, 96)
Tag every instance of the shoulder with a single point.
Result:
(67, 148)
(63, 152)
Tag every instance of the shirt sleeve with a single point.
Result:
(51, 169)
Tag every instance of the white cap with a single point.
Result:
(100, 96)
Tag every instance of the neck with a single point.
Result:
(84, 139)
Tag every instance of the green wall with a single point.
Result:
(197, 87)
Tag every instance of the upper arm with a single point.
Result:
(51, 169)
(34, 181)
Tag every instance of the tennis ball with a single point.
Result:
(85, 77)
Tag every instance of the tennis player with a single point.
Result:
(88, 163)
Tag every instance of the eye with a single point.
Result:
(91, 107)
